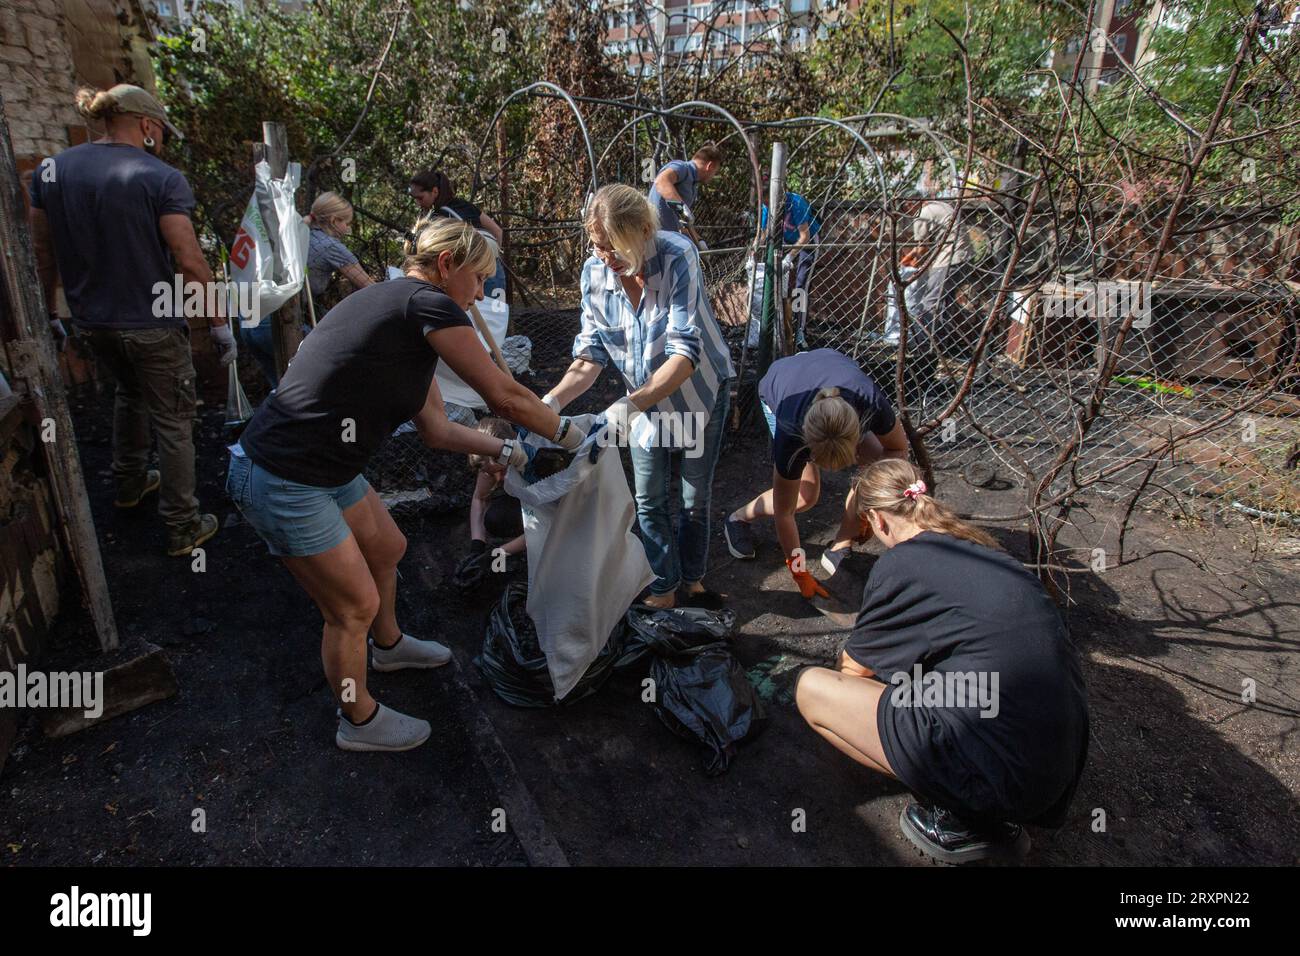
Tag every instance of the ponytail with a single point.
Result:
(897, 488)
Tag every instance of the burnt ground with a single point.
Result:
(1184, 771)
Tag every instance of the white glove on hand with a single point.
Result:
(620, 417)
(688, 217)
(223, 337)
(701, 245)
(551, 402)
(572, 437)
(787, 263)
(518, 457)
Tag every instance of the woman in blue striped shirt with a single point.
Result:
(644, 308)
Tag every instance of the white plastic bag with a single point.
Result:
(496, 315)
(585, 566)
(268, 258)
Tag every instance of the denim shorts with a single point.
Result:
(294, 520)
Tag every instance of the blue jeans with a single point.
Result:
(684, 555)
(258, 341)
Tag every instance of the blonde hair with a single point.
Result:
(624, 214)
(881, 486)
(434, 235)
(832, 430)
(497, 428)
(95, 104)
(327, 207)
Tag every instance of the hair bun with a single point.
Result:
(94, 104)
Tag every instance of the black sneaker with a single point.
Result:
(940, 833)
(740, 537)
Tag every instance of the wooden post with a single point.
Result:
(286, 321)
(35, 363)
(503, 205)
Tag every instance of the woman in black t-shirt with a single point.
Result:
(436, 196)
(296, 474)
(959, 679)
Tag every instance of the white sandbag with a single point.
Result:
(496, 315)
(268, 257)
(585, 566)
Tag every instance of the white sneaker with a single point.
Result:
(409, 652)
(831, 560)
(387, 730)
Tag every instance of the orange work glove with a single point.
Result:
(806, 583)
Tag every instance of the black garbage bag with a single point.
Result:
(514, 666)
(702, 694)
(672, 630)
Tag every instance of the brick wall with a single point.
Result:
(36, 77)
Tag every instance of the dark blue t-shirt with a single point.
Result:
(792, 383)
(103, 202)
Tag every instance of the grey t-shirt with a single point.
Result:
(930, 225)
(687, 188)
(103, 202)
(325, 256)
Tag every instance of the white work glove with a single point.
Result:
(518, 457)
(551, 402)
(701, 245)
(688, 217)
(620, 417)
(223, 337)
(787, 263)
(570, 437)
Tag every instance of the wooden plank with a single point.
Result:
(45, 387)
(142, 680)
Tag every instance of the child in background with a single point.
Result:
(492, 511)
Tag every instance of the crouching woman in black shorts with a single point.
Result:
(296, 474)
(959, 679)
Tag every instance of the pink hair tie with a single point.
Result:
(915, 488)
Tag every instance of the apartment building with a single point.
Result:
(713, 33)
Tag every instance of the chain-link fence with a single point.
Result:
(1067, 321)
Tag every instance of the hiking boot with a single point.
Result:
(182, 541)
(740, 537)
(386, 730)
(940, 833)
(409, 652)
(130, 491)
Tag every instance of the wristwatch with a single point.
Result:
(507, 451)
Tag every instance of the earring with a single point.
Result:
(149, 142)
